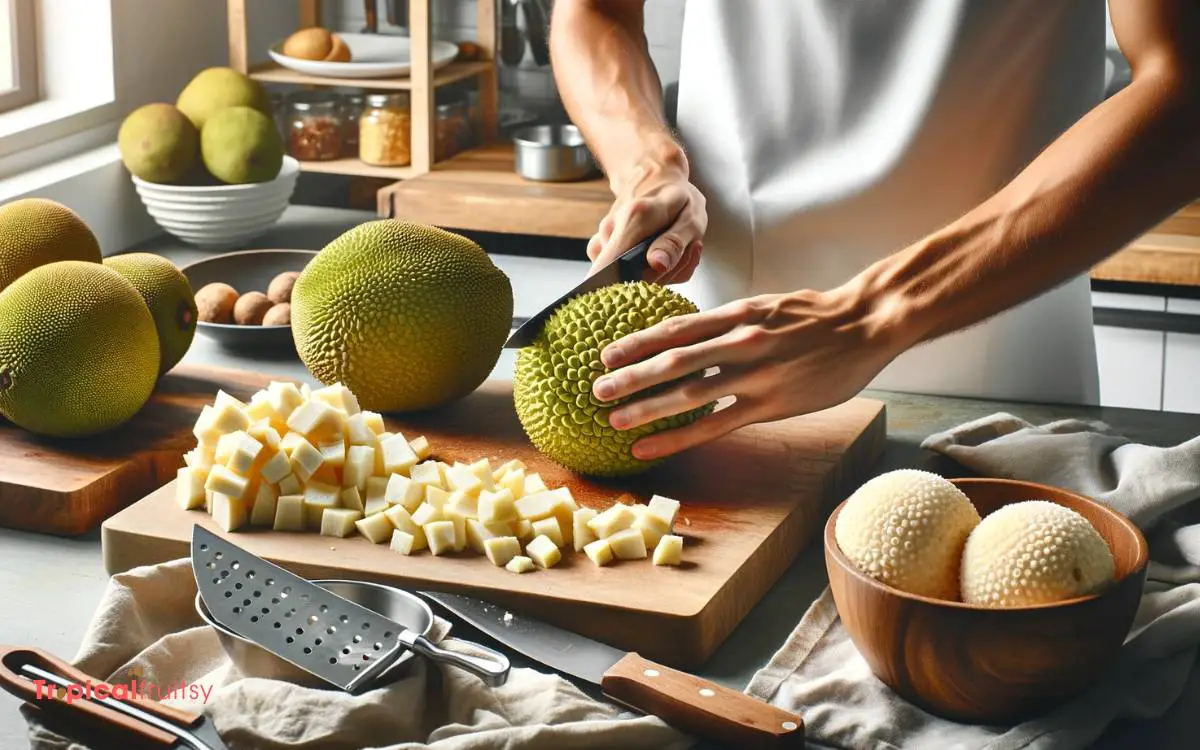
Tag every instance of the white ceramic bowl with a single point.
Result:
(219, 217)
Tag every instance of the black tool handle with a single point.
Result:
(632, 265)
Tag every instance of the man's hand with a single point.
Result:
(779, 355)
(656, 195)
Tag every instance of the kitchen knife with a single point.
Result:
(687, 702)
(629, 266)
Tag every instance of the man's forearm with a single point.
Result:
(609, 86)
(1128, 164)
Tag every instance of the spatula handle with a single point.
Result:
(492, 668)
(702, 708)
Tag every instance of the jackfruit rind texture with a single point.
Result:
(1034, 552)
(36, 231)
(907, 528)
(407, 316)
(168, 294)
(552, 387)
(78, 350)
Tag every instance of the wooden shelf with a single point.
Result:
(479, 190)
(455, 71)
(355, 168)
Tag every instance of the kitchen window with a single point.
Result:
(18, 67)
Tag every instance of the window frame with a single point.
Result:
(23, 28)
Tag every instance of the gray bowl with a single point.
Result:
(552, 153)
(399, 606)
(247, 271)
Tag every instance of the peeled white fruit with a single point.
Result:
(669, 550)
(502, 549)
(520, 564)
(1034, 552)
(289, 513)
(339, 522)
(907, 529)
(599, 551)
(543, 551)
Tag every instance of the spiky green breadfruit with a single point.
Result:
(407, 316)
(78, 350)
(552, 388)
(168, 295)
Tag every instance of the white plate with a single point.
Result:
(372, 56)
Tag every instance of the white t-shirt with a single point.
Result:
(827, 134)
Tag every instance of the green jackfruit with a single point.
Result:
(552, 387)
(169, 296)
(36, 231)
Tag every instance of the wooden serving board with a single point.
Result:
(68, 487)
(751, 502)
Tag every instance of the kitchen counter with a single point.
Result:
(50, 586)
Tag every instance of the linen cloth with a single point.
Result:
(819, 672)
(146, 627)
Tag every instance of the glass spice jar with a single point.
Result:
(452, 129)
(385, 131)
(352, 107)
(315, 127)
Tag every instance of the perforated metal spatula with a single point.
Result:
(343, 643)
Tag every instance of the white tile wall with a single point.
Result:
(1181, 379)
(528, 84)
(1130, 361)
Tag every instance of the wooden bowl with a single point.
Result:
(247, 271)
(979, 665)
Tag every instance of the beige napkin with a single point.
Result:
(819, 673)
(146, 628)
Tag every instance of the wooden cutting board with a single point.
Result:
(68, 487)
(751, 502)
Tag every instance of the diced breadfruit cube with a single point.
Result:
(400, 518)
(514, 464)
(220, 419)
(198, 458)
(599, 551)
(543, 551)
(628, 544)
(398, 456)
(479, 532)
(265, 502)
(652, 527)
(440, 536)
(360, 465)
(429, 473)
(497, 507)
(522, 530)
(519, 564)
(464, 503)
(284, 398)
(514, 482)
(225, 445)
(221, 479)
(339, 397)
(436, 496)
(460, 530)
(534, 483)
(339, 522)
(316, 421)
(291, 485)
(537, 506)
(402, 542)
(403, 491)
(358, 432)
(318, 497)
(567, 498)
(669, 550)
(665, 509)
(229, 512)
(278, 467)
(224, 399)
(305, 460)
(376, 528)
(421, 447)
(483, 469)
(264, 433)
(426, 513)
(351, 498)
(374, 420)
(462, 479)
(289, 442)
(289, 513)
(189, 487)
(375, 500)
(582, 534)
(333, 453)
(501, 549)
(616, 518)
(259, 409)
(548, 527)
(243, 458)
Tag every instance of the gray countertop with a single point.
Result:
(50, 586)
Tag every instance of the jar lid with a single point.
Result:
(394, 99)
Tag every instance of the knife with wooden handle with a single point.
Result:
(686, 702)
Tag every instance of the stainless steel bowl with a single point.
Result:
(399, 606)
(552, 153)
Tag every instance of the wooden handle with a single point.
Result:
(13, 658)
(702, 708)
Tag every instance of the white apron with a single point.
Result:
(827, 134)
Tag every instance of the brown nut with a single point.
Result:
(215, 302)
(279, 315)
(280, 289)
(250, 309)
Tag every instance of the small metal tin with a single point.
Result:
(552, 153)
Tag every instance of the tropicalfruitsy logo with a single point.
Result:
(135, 686)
